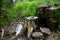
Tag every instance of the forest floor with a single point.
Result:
(53, 36)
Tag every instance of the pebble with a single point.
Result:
(45, 30)
(37, 34)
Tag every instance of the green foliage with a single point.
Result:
(5, 13)
(26, 8)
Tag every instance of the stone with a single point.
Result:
(52, 8)
(37, 34)
(45, 30)
(44, 5)
(19, 28)
(53, 36)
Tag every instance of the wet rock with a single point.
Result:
(37, 34)
(53, 36)
(45, 30)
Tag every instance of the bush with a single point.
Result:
(26, 8)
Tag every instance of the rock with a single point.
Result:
(21, 38)
(52, 8)
(37, 34)
(18, 28)
(44, 5)
(45, 30)
(53, 36)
